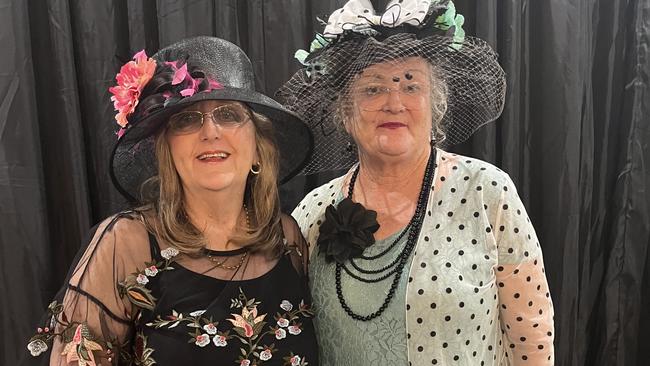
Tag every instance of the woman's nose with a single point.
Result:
(209, 130)
(394, 102)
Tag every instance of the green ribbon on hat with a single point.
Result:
(450, 19)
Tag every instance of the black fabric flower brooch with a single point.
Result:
(347, 230)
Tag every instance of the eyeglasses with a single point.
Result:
(373, 97)
(227, 116)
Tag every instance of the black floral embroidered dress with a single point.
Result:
(165, 311)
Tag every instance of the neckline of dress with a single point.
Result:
(224, 253)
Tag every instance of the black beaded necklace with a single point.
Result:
(413, 229)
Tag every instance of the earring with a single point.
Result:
(256, 168)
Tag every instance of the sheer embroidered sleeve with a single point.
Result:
(91, 319)
(524, 299)
(296, 243)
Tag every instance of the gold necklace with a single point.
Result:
(220, 264)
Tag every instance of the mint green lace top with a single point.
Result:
(345, 341)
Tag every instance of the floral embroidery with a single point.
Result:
(151, 271)
(197, 313)
(133, 287)
(200, 325)
(36, 347)
(169, 253)
(142, 353)
(81, 347)
(286, 305)
(220, 341)
(142, 279)
(295, 329)
(79, 343)
(280, 334)
(266, 354)
(294, 360)
(202, 340)
(283, 322)
(248, 326)
(210, 328)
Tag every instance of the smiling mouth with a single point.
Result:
(216, 156)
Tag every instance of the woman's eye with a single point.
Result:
(226, 116)
(184, 120)
(372, 90)
(188, 119)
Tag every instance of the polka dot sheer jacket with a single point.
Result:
(477, 291)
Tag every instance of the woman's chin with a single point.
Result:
(218, 182)
(395, 148)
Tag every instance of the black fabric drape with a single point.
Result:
(574, 137)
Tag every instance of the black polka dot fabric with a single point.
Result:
(477, 289)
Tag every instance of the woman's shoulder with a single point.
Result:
(124, 223)
(314, 204)
(323, 194)
(125, 231)
(471, 170)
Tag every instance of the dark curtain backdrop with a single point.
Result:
(574, 137)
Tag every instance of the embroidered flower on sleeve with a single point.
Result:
(245, 362)
(81, 347)
(134, 286)
(142, 279)
(36, 347)
(151, 271)
(169, 253)
(141, 352)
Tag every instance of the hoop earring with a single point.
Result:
(256, 168)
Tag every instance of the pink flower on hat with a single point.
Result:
(190, 84)
(131, 79)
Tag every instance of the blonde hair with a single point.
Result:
(168, 218)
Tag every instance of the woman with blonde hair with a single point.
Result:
(206, 269)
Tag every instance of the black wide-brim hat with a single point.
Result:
(133, 160)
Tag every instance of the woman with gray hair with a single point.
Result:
(420, 256)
